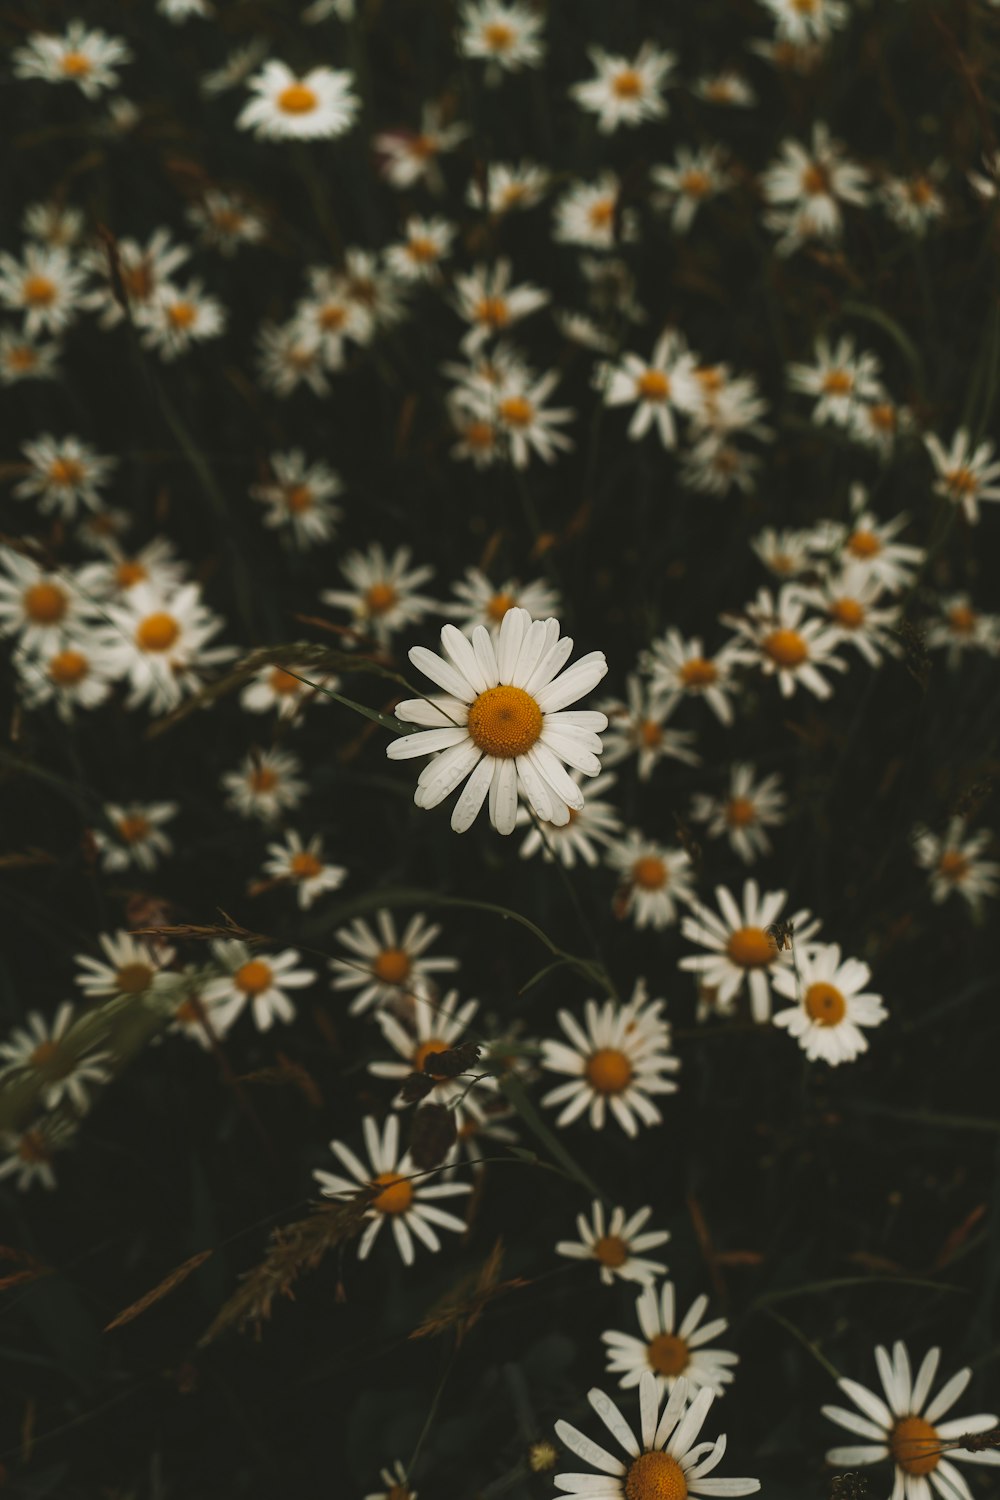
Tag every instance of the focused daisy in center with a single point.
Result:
(502, 723)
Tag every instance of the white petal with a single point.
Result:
(473, 795)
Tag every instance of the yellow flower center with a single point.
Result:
(611, 1250)
(65, 471)
(750, 948)
(157, 632)
(696, 184)
(421, 248)
(962, 619)
(883, 416)
(380, 598)
(305, 866)
(39, 291)
(653, 385)
(132, 979)
(263, 779)
(667, 1354)
(133, 828)
(493, 311)
(953, 865)
(31, 1148)
(786, 648)
(804, 7)
(227, 220)
(282, 682)
(601, 213)
(297, 99)
(396, 1195)
(911, 1443)
(433, 1044)
(920, 192)
(517, 411)
(608, 1071)
(627, 84)
(505, 722)
(825, 1004)
(299, 498)
(75, 64)
(650, 734)
(655, 1476)
(480, 435)
(864, 544)
(498, 37)
(848, 612)
(181, 314)
(253, 977)
(650, 873)
(499, 605)
(138, 280)
(332, 317)
(45, 603)
(698, 673)
(815, 179)
(962, 481)
(838, 383)
(740, 811)
(67, 668)
(22, 357)
(44, 1054)
(392, 966)
(128, 574)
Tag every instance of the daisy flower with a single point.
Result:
(155, 564)
(45, 287)
(435, 1026)
(588, 214)
(877, 424)
(287, 691)
(303, 866)
(90, 59)
(139, 270)
(175, 318)
(838, 379)
(636, 727)
(726, 88)
(503, 34)
(595, 823)
(714, 467)
(288, 357)
(408, 1203)
(130, 968)
(745, 813)
(956, 864)
(65, 473)
(22, 358)
(266, 784)
(871, 543)
(53, 223)
(44, 609)
(299, 497)
(672, 1351)
(913, 203)
(807, 186)
(385, 965)
(396, 1484)
(966, 472)
(961, 628)
(195, 1017)
(653, 880)
(236, 69)
(320, 104)
(658, 387)
(426, 243)
(77, 676)
(48, 1050)
(679, 669)
(906, 1427)
(478, 602)
(785, 553)
(617, 1244)
(160, 643)
(257, 980)
(27, 1155)
(850, 598)
(509, 186)
(739, 946)
(804, 21)
(377, 296)
(526, 424)
(136, 840)
(625, 92)
(616, 1061)
(383, 597)
(503, 723)
(331, 316)
(225, 221)
(663, 1463)
(486, 301)
(786, 645)
(831, 1009)
(693, 178)
(411, 156)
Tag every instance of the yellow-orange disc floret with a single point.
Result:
(45, 603)
(863, 544)
(912, 1443)
(305, 866)
(493, 311)
(650, 873)
(39, 291)
(698, 673)
(66, 471)
(962, 619)
(133, 828)
(953, 865)
(76, 64)
(157, 632)
(298, 498)
(825, 1004)
(611, 1250)
(627, 84)
(67, 668)
(786, 648)
(263, 779)
(254, 977)
(129, 573)
(396, 1195)
(498, 606)
(653, 385)
(181, 314)
(838, 383)
(505, 722)
(132, 979)
(740, 812)
(498, 36)
(655, 1476)
(751, 948)
(433, 1044)
(517, 411)
(282, 682)
(297, 99)
(392, 966)
(849, 613)
(608, 1071)
(667, 1354)
(380, 598)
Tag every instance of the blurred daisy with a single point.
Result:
(160, 643)
(679, 669)
(960, 628)
(385, 965)
(786, 553)
(136, 270)
(740, 947)
(130, 967)
(396, 1485)
(831, 1009)
(636, 727)
(426, 243)
(287, 691)
(27, 1155)
(694, 177)
(383, 596)
(804, 21)
(878, 424)
(64, 474)
(625, 92)
(434, 1025)
(486, 301)
(303, 866)
(44, 609)
(907, 1428)
(53, 223)
(838, 379)
(136, 839)
(155, 564)
(175, 318)
(726, 88)
(196, 1018)
(266, 784)
(299, 497)
(238, 66)
(288, 357)
(658, 387)
(808, 186)
(785, 644)
(850, 600)
(526, 424)
(331, 316)
(504, 34)
(409, 157)
(503, 723)
(478, 602)
(90, 59)
(597, 822)
(664, 1463)
(670, 1350)
(182, 10)
(653, 880)
(48, 1050)
(286, 107)
(45, 286)
(377, 296)
(956, 864)
(508, 186)
(913, 203)
(257, 980)
(408, 1203)
(871, 543)
(588, 214)
(617, 1245)
(616, 1061)
(71, 677)
(966, 472)
(744, 814)
(225, 221)
(23, 358)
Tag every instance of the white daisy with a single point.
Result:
(740, 947)
(504, 723)
(23, 358)
(955, 862)
(877, 424)
(155, 564)
(44, 609)
(786, 645)
(396, 1484)
(653, 880)
(960, 628)
(966, 472)
(331, 317)
(670, 1350)
(596, 823)
(134, 271)
(409, 156)
(509, 186)
(67, 1071)
(693, 177)
(131, 967)
(383, 597)
(45, 286)
(136, 839)
(299, 497)
(289, 692)
(804, 21)
(680, 669)
(838, 379)
(785, 553)
(407, 1202)
(64, 473)
(506, 35)
(30, 1152)
(425, 244)
(303, 866)
(320, 103)
(749, 808)
(53, 223)
(485, 299)
(90, 59)
(871, 543)
(658, 387)
(266, 784)
(176, 317)
(160, 643)
(914, 203)
(831, 1009)
(77, 676)
(636, 727)
(479, 602)
(288, 356)
(225, 221)
(808, 185)
(387, 966)
(588, 214)
(615, 1061)
(850, 598)
(255, 979)
(435, 1025)
(617, 1245)
(727, 88)
(625, 92)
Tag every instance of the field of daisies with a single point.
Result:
(499, 861)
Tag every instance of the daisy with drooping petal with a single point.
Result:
(616, 1061)
(299, 497)
(383, 598)
(831, 1008)
(48, 1050)
(680, 669)
(89, 59)
(408, 1203)
(595, 823)
(636, 727)
(653, 880)
(956, 864)
(906, 1427)
(505, 722)
(588, 214)
(787, 645)
(657, 387)
(486, 301)
(749, 808)
(625, 92)
(64, 473)
(664, 1463)
(45, 287)
(693, 178)
(137, 840)
(480, 603)
(435, 1025)
(966, 472)
(672, 1351)
(266, 784)
(255, 979)
(505, 34)
(130, 967)
(287, 691)
(303, 866)
(617, 1245)
(319, 104)
(159, 643)
(387, 966)
(740, 946)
